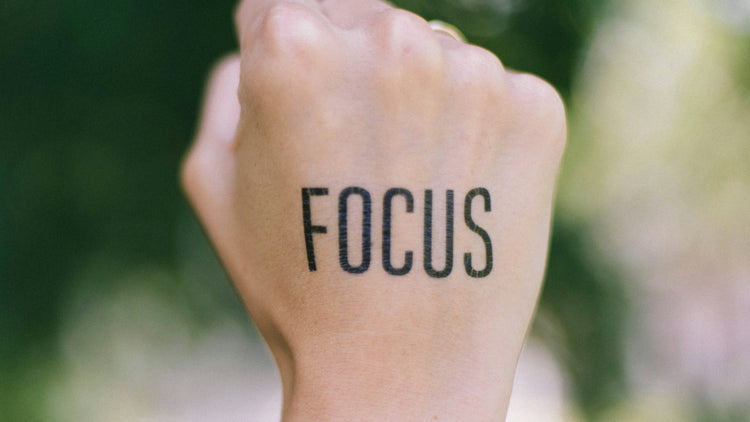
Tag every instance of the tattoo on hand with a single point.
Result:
(343, 218)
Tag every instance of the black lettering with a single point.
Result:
(478, 230)
(307, 223)
(428, 235)
(366, 222)
(387, 199)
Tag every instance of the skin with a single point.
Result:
(340, 93)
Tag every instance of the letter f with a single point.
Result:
(307, 223)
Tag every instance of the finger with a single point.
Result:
(446, 29)
(448, 41)
(351, 13)
(208, 168)
(221, 108)
(250, 12)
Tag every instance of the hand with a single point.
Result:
(380, 193)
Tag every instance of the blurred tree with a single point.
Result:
(97, 104)
(582, 319)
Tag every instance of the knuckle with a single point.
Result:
(481, 61)
(289, 27)
(399, 21)
(290, 37)
(480, 71)
(542, 107)
(542, 97)
(407, 38)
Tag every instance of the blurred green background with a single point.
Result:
(113, 307)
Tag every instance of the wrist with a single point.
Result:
(371, 391)
(362, 372)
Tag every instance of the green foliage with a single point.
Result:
(582, 317)
(98, 102)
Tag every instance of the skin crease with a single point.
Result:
(340, 93)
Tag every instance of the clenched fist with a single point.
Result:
(380, 193)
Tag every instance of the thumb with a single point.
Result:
(208, 169)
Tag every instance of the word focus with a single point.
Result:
(311, 229)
